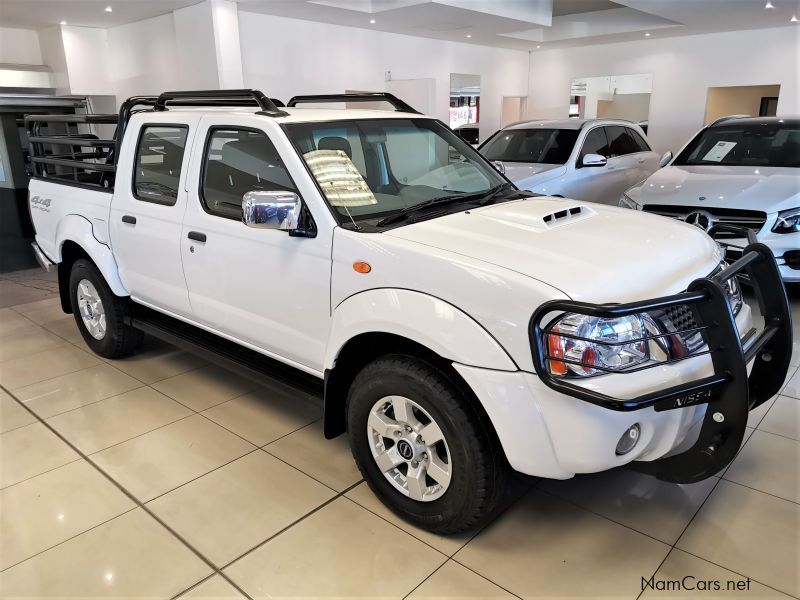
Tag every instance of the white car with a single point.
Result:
(740, 171)
(454, 327)
(591, 160)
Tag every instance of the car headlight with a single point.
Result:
(788, 221)
(594, 345)
(626, 201)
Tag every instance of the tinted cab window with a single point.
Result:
(238, 161)
(596, 142)
(549, 146)
(159, 157)
(621, 142)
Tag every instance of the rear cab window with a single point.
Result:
(159, 157)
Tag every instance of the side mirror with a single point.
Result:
(499, 166)
(594, 160)
(665, 160)
(271, 210)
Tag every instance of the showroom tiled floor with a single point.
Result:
(160, 476)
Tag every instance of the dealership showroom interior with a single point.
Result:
(383, 299)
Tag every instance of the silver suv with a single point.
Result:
(594, 160)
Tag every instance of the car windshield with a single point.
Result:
(549, 146)
(767, 144)
(372, 169)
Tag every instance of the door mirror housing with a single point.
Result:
(271, 210)
(594, 160)
(665, 160)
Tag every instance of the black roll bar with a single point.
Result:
(398, 104)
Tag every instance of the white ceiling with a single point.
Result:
(518, 24)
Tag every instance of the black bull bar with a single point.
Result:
(729, 392)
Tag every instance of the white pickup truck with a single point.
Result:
(455, 327)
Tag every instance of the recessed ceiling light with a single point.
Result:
(769, 5)
(63, 23)
(647, 34)
(537, 47)
(793, 19)
(469, 35)
(108, 9)
(372, 21)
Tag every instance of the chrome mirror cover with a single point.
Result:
(271, 210)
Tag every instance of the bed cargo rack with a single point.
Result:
(75, 156)
(398, 104)
(729, 393)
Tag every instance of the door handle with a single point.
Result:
(197, 236)
(129, 219)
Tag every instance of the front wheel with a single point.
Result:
(422, 446)
(100, 314)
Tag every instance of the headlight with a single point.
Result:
(627, 202)
(788, 221)
(595, 345)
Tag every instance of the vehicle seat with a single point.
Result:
(336, 143)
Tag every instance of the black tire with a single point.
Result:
(119, 339)
(479, 470)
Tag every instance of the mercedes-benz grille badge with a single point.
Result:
(700, 218)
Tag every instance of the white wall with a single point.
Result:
(143, 57)
(86, 53)
(284, 57)
(53, 56)
(19, 46)
(197, 55)
(683, 69)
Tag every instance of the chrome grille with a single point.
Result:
(751, 219)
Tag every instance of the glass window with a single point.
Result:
(158, 163)
(761, 144)
(371, 169)
(641, 144)
(621, 141)
(549, 146)
(596, 142)
(239, 161)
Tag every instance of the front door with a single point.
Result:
(262, 287)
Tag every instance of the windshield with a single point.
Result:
(369, 170)
(770, 144)
(548, 146)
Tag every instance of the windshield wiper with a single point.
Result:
(485, 197)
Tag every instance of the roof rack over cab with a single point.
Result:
(398, 104)
(728, 118)
(244, 97)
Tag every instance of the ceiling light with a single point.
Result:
(769, 5)
(63, 23)
(372, 21)
(793, 19)
(647, 34)
(108, 9)
(537, 47)
(469, 35)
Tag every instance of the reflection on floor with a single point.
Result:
(167, 477)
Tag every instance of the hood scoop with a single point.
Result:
(565, 215)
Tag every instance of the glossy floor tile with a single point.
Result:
(55, 506)
(340, 551)
(243, 477)
(113, 420)
(131, 556)
(327, 461)
(749, 532)
(232, 509)
(547, 547)
(265, 415)
(29, 451)
(156, 462)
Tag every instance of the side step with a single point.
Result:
(229, 355)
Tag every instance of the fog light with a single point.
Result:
(628, 440)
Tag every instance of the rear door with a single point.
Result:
(147, 210)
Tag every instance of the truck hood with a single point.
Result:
(769, 189)
(588, 251)
(517, 171)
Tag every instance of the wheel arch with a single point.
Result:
(75, 240)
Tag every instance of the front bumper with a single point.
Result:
(727, 389)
